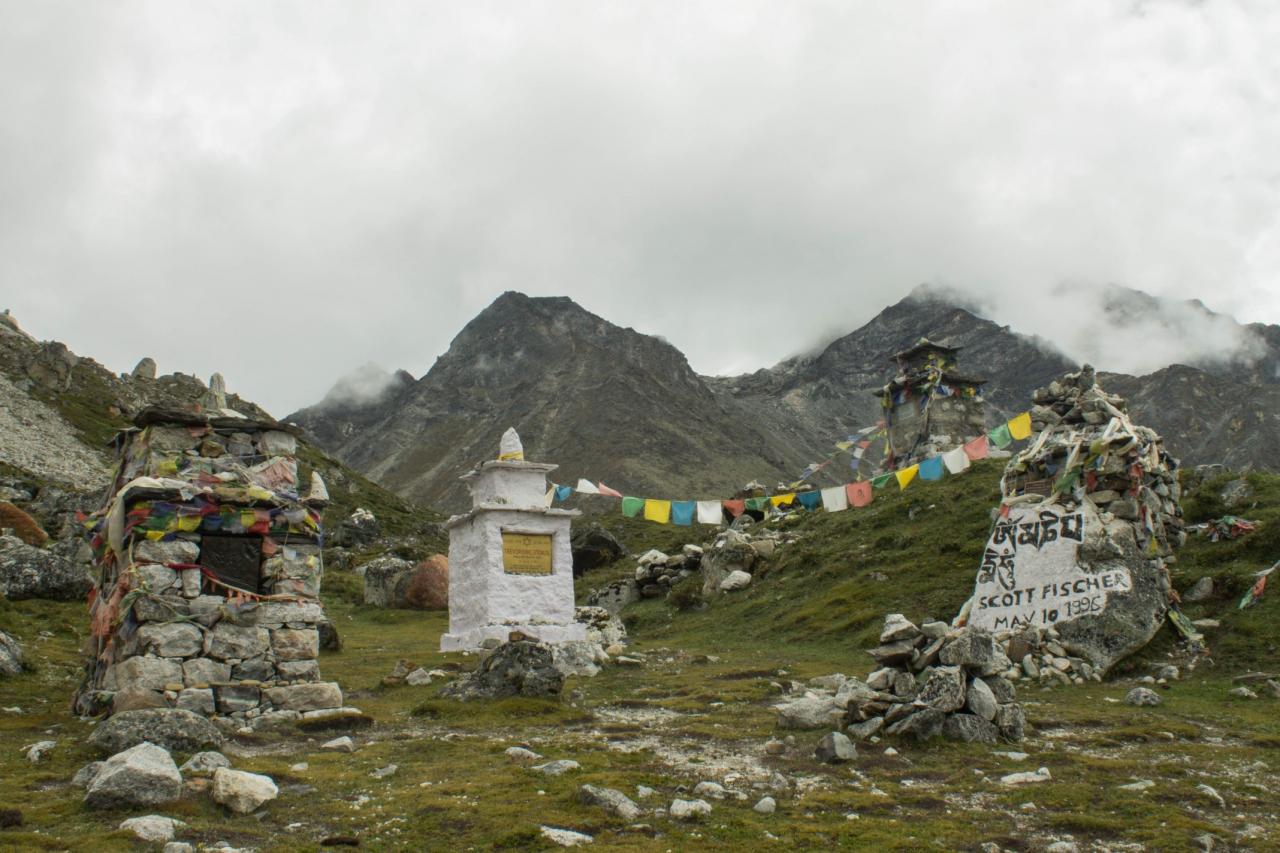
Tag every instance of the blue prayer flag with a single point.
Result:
(682, 512)
(810, 500)
(931, 469)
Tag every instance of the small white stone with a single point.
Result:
(152, 827)
(340, 744)
(689, 809)
(1041, 775)
(565, 837)
(767, 805)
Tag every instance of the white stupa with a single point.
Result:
(510, 562)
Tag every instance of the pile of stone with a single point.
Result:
(1123, 468)
(932, 681)
(657, 572)
(1038, 655)
(209, 569)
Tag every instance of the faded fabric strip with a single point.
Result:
(585, 487)
(859, 493)
(711, 512)
(835, 499)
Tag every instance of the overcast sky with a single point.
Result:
(284, 191)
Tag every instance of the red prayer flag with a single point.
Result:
(977, 449)
(859, 493)
(605, 490)
(736, 508)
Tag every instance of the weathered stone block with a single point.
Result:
(235, 642)
(298, 670)
(237, 697)
(197, 700)
(171, 639)
(306, 697)
(173, 551)
(295, 643)
(255, 669)
(152, 608)
(146, 671)
(275, 613)
(156, 578)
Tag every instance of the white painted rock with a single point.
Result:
(242, 792)
(152, 827)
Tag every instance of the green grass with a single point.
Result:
(700, 708)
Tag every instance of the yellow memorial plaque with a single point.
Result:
(526, 553)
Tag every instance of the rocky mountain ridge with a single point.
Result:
(609, 403)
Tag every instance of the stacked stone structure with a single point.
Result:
(929, 406)
(209, 568)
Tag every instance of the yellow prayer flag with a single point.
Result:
(779, 500)
(188, 523)
(1020, 427)
(906, 475)
(659, 511)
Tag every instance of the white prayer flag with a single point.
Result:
(956, 460)
(709, 512)
(585, 487)
(835, 499)
(551, 496)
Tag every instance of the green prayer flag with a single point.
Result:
(1000, 436)
(631, 507)
(878, 482)
(757, 504)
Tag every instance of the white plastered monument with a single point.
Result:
(510, 562)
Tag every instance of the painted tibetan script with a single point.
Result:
(526, 553)
(1031, 575)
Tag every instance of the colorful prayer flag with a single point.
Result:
(563, 493)
(879, 482)
(835, 499)
(756, 504)
(613, 493)
(859, 493)
(931, 469)
(956, 460)
(551, 495)
(655, 510)
(1000, 436)
(585, 487)
(1020, 427)
(779, 500)
(734, 508)
(682, 512)
(710, 512)
(810, 499)
(977, 449)
(631, 507)
(906, 475)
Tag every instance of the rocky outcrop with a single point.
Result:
(57, 572)
(10, 655)
(143, 775)
(518, 668)
(403, 585)
(593, 547)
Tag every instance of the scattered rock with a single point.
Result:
(1201, 590)
(38, 750)
(558, 767)
(833, 748)
(689, 809)
(1014, 779)
(519, 668)
(30, 572)
(418, 678)
(152, 827)
(241, 791)
(143, 775)
(897, 627)
(736, 579)
(810, 711)
(520, 755)
(204, 764)
(969, 728)
(385, 772)
(766, 805)
(172, 728)
(593, 547)
(1242, 692)
(565, 837)
(340, 744)
(84, 776)
(10, 655)
(1142, 696)
(1212, 794)
(613, 801)
(714, 790)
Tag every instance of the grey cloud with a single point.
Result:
(281, 191)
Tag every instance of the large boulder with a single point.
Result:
(593, 546)
(143, 775)
(603, 627)
(171, 728)
(519, 668)
(56, 572)
(428, 587)
(10, 655)
(386, 582)
(242, 792)
(731, 552)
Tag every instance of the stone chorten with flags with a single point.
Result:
(510, 560)
(929, 406)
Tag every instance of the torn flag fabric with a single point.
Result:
(605, 490)
(563, 493)
(1000, 436)
(734, 508)
(810, 500)
(585, 487)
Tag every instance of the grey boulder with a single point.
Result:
(172, 728)
(143, 775)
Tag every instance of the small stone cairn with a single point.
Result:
(932, 681)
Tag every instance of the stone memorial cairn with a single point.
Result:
(932, 681)
(209, 567)
(929, 407)
(1074, 575)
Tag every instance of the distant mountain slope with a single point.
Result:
(601, 401)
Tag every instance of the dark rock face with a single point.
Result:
(172, 728)
(593, 547)
(520, 668)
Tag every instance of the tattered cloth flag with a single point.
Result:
(757, 504)
(605, 490)
(859, 493)
(1020, 427)
(563, 493)
(835, 499)
(551, 495)
(906, 475)
(655, 510)
(957, 461)
(585, 487)
(931, 469)
(1255, 592)
(976, 449)
(782, 500)
(880, 481)
(734, 508)
(809, 500)
(631, 507)
(682, 512)
(710, 512)
(1000, 436)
